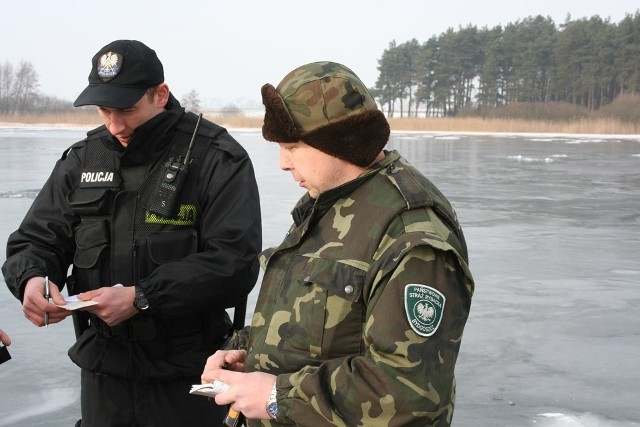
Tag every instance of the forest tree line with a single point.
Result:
(586, 62)
(19, 91)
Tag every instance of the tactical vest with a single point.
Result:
(119, 240)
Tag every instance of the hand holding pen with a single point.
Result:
(47, 295)
(36, 301)
(233, 418)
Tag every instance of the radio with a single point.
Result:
(165, 195)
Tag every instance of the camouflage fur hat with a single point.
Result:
(325, 105)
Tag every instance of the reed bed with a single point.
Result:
(476, 124)
(88, 118)
(82, 117)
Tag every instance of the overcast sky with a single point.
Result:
(227, 50)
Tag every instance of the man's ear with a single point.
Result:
(162, 95)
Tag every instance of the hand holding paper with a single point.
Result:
(73, 303)
(209, 389)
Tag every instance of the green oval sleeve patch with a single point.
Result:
(424, 306)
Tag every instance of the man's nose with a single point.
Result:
(285, 160)
(116, 124)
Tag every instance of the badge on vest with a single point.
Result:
(423, 306)
(91, 178)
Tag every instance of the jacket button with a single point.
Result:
(348, 289)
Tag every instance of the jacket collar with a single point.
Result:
(307, 205)
(153, 136)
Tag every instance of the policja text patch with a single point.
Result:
(424, 307)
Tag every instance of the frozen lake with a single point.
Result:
(553, 228)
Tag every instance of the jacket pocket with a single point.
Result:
(328, 314)
(92, 238)
(163, 247)
(167, 246)
(91, 201)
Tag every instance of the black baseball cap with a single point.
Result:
(121, 72)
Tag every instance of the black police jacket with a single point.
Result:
(98, 212)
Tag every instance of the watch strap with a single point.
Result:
(140, 300)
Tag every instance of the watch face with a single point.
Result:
(272, 410)
(142, 303)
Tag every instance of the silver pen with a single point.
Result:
(47, 295)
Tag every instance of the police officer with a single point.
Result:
(362, 306)
(158, 212)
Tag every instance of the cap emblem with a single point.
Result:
(109, 66)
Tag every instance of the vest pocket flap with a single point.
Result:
(92, 234)
(341, 279)
(89, 201)
(87, 258)
(172, 245)
(91, 239)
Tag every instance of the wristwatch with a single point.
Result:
(272, 404)
(140, 301)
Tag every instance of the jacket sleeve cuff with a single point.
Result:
(238, 340)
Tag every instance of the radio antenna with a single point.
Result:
(187, 156)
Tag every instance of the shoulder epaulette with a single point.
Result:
(216, 134)
(206, 129)
(418, 191)
(97, 132)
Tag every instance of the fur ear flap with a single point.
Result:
(278, 125)
(357, 139)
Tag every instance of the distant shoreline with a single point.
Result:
(81, 127)
(471, 125)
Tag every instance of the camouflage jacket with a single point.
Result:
(363, 305)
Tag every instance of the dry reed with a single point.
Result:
(83, 117)
(444, 124)
(475, 124)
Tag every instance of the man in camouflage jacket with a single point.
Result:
(362, 306)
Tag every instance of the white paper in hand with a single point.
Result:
(73, 303)
(209, 389)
